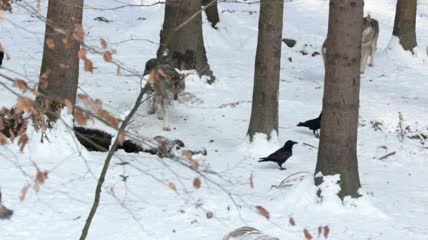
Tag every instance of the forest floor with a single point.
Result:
(394, 190)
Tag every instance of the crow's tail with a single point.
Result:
(265, 160)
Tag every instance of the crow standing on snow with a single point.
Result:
(281, 155)
(313, 124)
(1, 54)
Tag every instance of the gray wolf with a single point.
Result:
(370, 34)
(165, 84)
(281, 155)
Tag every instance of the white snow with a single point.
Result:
(394, 191)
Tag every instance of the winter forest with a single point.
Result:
(214, 119)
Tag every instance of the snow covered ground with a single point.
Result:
(394, 205)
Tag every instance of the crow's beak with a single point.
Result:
(295, 142)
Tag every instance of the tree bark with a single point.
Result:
(60, 64)
(338, 142)
(181, 37)
(405, 23)
(212, 12)
(264, 112)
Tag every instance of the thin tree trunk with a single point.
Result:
(264, 113)
(181, 37)
(338, 142)
(60, 63)
(212, 12)
(405, 23)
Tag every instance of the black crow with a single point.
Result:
(1, 56)
(281, 155)
(313, 124)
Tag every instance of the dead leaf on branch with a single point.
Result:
(103, 43)
(23, 140)
(24, 191)
(108, 56)
(89, 66)
(121, 138)
(172, 186)
(50, 42)
(21, 84)
(82, 53)
(263, 212)
(326, 231)
(307, 234)
(80, 118)
(292, 222)
(197, 183)
(78, 33)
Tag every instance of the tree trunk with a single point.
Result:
(338, 142)
(264, 112)
(181, 37)
(211, 12)
(405, 23)
(60, 63)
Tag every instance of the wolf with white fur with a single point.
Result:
(370, 34)
(165, 84)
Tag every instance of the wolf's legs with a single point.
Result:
(364, 59)
(165, 116)
(151, 105)
(372, 51)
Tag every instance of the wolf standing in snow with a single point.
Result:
(165, 83)
(368, 42)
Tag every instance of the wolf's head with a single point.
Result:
(367, 21)
(177, 86)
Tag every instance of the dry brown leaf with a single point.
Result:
(44, 78)
(326, 231)
(50, 42)
(89, 66)
(194, 164)
(197, 183)
(103, 43)
(78, 33)
(119, 71)
(110, 119)
(39, 5)
(41, 176)
(69, 106)
(188, 154)
(292, 222)
(108, 56)
(36, 187)
(210, 215)
(80, 118)
(24, 191)
(65, 42)
(263, 212)
(121, 138)
(82, 53)
(251, 181)
(25, 104)
(307, 234)
(23, 140)
(21, 84)
(172, 186)
(3, 139)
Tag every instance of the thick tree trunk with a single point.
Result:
(181, 37)
(212, 12)
(264, 113)
(60, 63)
(405, 23)
(338, 142)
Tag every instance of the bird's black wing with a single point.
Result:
(279, 155)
